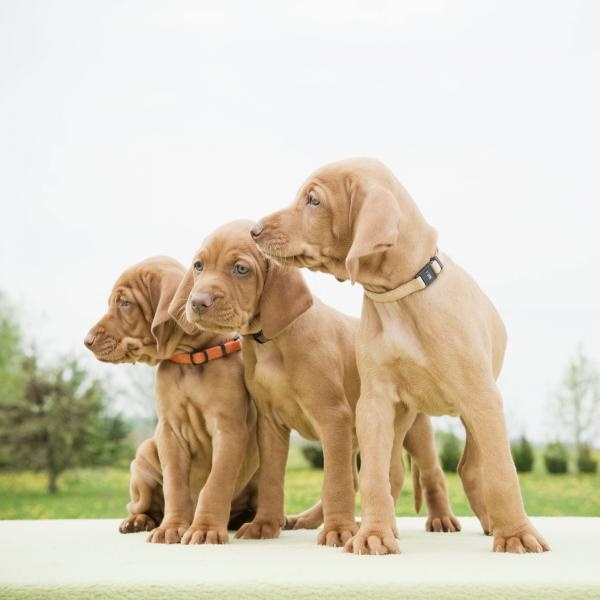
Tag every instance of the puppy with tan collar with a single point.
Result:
(195, 476)
(429, 341)
(300, 369)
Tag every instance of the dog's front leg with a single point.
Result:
(375, 417)
(273, 447)
(338, 482)
(512, 530)
(175, 462)
(214, 503)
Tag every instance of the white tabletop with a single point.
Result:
(90, 558)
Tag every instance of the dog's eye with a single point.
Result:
(241, 269)
(198, 266)
(313, 200)
(123, 303)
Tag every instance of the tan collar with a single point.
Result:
(426, 276)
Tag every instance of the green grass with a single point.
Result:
(97, 493)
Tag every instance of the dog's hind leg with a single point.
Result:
(147, 502)
(471, 475)
(420, 443)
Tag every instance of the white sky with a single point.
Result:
(129, 129)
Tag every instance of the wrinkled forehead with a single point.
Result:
(228, 244)
(128, 282)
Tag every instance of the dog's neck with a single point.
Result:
(253, 330)
(187, 343)
(255, 341)
(399, 264)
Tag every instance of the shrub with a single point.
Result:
(586, 463)
(60, 422)
(522, 454)
(314, 455)
(556, 458)
(451, 452)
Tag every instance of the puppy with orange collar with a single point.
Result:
(195, 476)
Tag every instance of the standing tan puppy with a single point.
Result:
(301, 371)
(433, 348)
(195, 475)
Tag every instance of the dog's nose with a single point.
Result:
(201, 302)
(257, 230)
(89, 340)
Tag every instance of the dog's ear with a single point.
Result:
(161, 289)
(374, 223)
(177, 306)
(284, 298)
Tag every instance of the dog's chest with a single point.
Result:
(270, 382)
(419, 375)
(419, 389)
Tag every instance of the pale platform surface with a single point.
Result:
(90, 559)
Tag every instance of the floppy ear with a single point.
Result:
(374, 221)
(162, 289)
(284, 298)
(176, 309)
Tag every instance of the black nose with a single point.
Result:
(89, 340)
(201, 302)
(257, 230)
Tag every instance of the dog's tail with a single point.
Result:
(417, 489)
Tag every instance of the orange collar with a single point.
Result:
(202, 356)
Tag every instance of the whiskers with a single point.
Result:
(110, 350)
(107, 347)
(274, 250)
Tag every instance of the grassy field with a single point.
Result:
(97, 493)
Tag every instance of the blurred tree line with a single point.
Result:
(52, 417)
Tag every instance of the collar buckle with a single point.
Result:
(425, 277)
(428, 273)
(260, 337)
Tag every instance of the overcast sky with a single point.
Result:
(130, 129)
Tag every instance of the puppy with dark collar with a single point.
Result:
(300, 369)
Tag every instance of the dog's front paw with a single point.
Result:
(519, 540)
(135, 523)
(259, 529)
(205, 534)
(167, 533)
(373, 539)
(336, 536)
(442, 523)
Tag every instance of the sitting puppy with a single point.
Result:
(300, 369)
(204, 452)
(429, 340)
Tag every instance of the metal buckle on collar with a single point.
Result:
(427, 273)
(223, 346)
(198, 352)
(259, 337)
